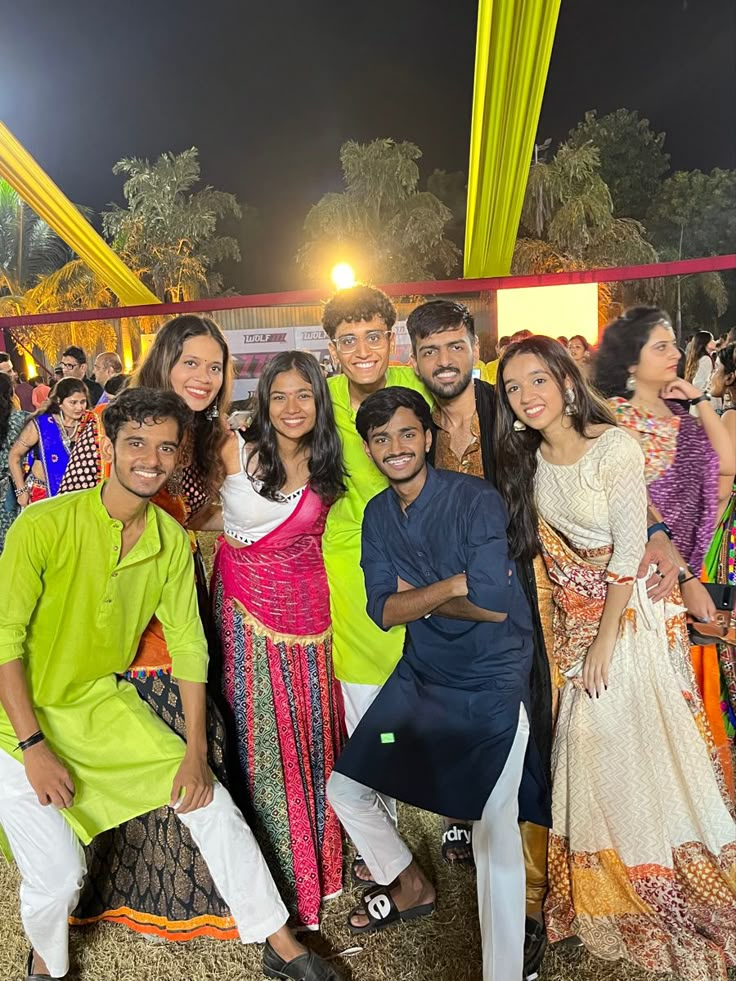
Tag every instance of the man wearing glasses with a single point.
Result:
(359, 323)
(74, 365)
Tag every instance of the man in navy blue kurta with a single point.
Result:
(449, 730)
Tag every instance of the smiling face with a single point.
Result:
(197, 375)
(399, 448)
(362, 350)
(444, 361)
(291, 405)
(73, 407)
(144, 456)
(533, 393)
(658, 359)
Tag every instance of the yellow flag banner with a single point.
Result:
(512, 58)
(40, 193)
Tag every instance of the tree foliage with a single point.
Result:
(29, 248)
(381, 222)
(167, 234)
(632, 157)
(567, 219)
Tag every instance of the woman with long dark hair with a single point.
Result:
(684, 456)
(50, 436)
(699, 359)
(272, 611)
(12, 421)
(581, 352)
(176, 897)
(640, 821)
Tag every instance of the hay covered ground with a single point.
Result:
(445, 947)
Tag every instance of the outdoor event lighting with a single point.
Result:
(343, 276)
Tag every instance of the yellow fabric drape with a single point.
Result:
(40, 193)
(513, 51)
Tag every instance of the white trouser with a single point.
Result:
(499, 857)
(51, 862)
(357, 699)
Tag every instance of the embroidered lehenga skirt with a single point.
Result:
(272, 612)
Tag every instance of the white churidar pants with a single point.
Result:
(357, 699)
(51, 862)
(499, 857)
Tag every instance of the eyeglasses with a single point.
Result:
(70, 365)
(374, 340)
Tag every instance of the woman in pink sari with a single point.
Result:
(272, 612)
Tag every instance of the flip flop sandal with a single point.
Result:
(305, 967)
(455, 836)
(378, 905)
(355, 878)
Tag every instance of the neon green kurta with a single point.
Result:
(362, 654)
(73, 612)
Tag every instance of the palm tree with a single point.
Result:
(567, 218)
(166, 235)
(382, 223)
(29, 248)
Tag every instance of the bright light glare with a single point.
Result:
(343, 276)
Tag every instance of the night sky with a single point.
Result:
(269, 91)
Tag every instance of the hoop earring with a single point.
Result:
(212, 412)
(630, 383)
(519, 426)
(570, 407)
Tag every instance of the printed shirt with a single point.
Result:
(471, 461)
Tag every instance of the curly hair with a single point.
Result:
(516, 451)
(143, 405)
(209, 436)
(326, 470)
(621, 346)
(355, 304)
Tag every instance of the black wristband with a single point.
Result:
(700, 398)
(25, 744)
(688, 579)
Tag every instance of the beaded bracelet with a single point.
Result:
(25, 744)
(20, 491)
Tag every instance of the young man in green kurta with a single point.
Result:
(80, 752)
(359, 323)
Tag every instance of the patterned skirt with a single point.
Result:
(148, 874)
(642, 854)
(282, 698)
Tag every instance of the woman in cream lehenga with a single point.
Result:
(642, 858)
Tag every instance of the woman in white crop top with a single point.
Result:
(272, 611)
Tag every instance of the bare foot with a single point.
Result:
(460, 849)
(361, 870)
(412, 888)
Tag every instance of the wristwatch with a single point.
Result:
(659, 526)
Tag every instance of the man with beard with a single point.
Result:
(448, 731)
(444, 348)
(80, 751)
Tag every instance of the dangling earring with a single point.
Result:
(569, 396)
(212, 412)
(630, 383)
(519, 426)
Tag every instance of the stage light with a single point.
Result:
(343, 276)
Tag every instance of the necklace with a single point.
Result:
(67, 437)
